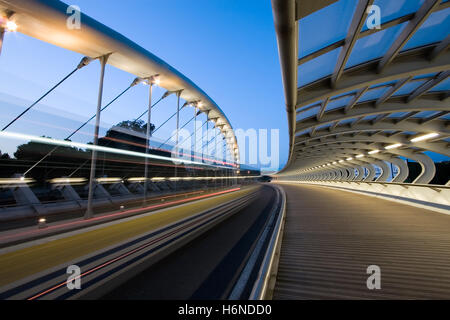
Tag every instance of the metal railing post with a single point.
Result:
(147, 139)
(89, 210)
(177, 137)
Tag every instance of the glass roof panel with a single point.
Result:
(327, 125)
(409, 87)
(398, 114)
(443, 86)
(393, 9)
(428, 75)
(343, 94)
(308, 105)
(345, 121)
(303, 132)
(383, 84)
(333, 104)
(435, 29)
(373, 46)
(334, 27)
(373, 94)
(371, 117)
(317, 68)
(307, 113)
(425, 114)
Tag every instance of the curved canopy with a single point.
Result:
(355, 87)
(46, 20)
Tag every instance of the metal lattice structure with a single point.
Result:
(373, 107)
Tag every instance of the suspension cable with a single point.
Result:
(146, 111)
(173, 115)
(75, 131)
(84, 62)
(174, 134)
(195, 131)
(83, 164)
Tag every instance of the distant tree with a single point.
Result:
(4, 156)
(125, 141)
(35, 151)
(136, 125)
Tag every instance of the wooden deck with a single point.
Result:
(332, 236)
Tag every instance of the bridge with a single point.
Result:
(359, 211)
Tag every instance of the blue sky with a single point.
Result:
(227, 47)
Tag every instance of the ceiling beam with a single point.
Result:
(359, 17)
(400, 83)
(430, 84)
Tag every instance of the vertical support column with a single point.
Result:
(195, 134)
(89, 211)
(147, 138)
(177, 137)
(2, 35)
(207, 133)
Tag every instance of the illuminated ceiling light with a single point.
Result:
(425, 137)
(359, 156)
(374, 151)
(334, 162)
(156, 80)
(393, 146)
(349, 159)
(11, 26)
(340, 161)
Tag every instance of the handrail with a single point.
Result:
(263, 288)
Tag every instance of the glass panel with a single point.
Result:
(323, 126)
(437, 157)
(373, 94)
(409, 87)
(428, 75)
(332, 21)
(383, 84)
(302, 132)
(338, 103)
(425, 114)
(308, 113)
(307, 106)
(398, 114)
(317, 68)
(373, 46)
(443, 86)
(346, 121)
(371, 117)
(344, 94)
(435, 29)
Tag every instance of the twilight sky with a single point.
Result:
(227, 47)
